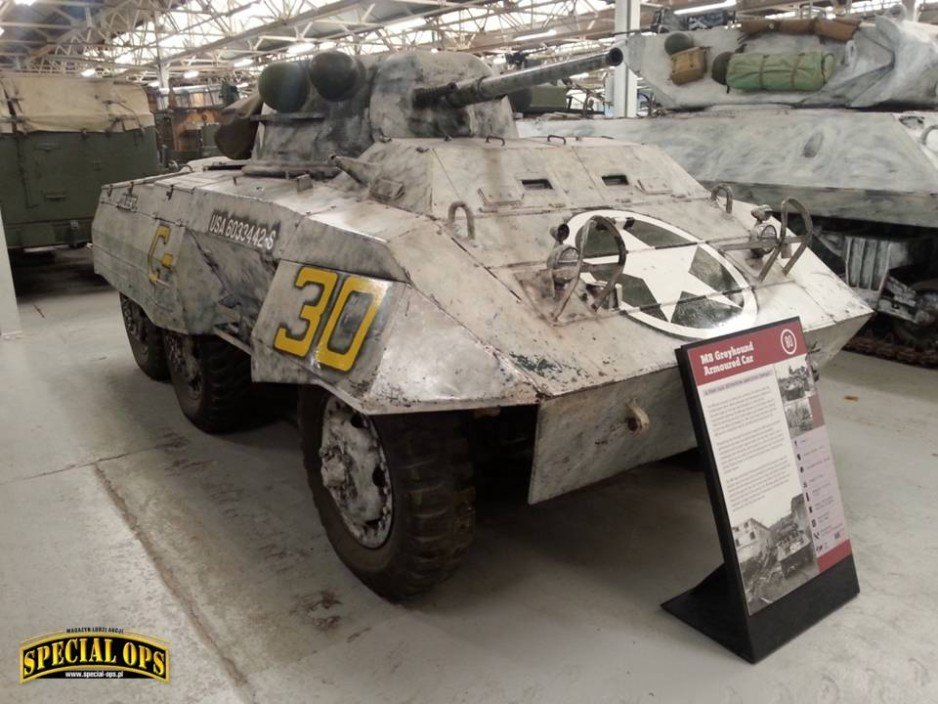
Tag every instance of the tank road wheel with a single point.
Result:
(212, 380)
(394, 493)
(921, 340)
(146, 340)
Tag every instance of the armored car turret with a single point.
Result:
(441, 291)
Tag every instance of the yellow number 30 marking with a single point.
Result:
(313, 311)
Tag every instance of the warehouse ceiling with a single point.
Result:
(143, 39)
(125, 36)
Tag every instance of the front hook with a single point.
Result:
(470, 218)
(727, 191)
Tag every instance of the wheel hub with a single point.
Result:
(355, 472)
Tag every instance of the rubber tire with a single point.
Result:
(149, 353)
(224, 401)
(431, 482)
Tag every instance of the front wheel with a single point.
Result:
(146, 340)
(394, 493)
(212, 380)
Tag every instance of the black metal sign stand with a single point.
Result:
(717, 606)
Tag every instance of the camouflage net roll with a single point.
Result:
(780, 72)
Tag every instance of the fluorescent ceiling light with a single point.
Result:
(23, 2)
(300, 48)
(705, 8)
(2, 31)
(412, 23)
(88, 72)
(536, 35)
(154, 84)
(241, 63)
(191, 73)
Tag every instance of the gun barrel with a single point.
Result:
(495, 87)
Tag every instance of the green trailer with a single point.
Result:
(61, 140)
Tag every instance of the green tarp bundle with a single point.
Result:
(780, 72)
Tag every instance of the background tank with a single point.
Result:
(444, 295)
(860, 150)
(61, 140)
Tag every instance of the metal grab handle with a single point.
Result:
(783, 235)
(470, 218)
(587, 230)
(808, 225)
(568, 292)
(779, 243)
(623, 255)
(727, 191)
(926, 132)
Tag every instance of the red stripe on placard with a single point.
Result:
(832, 557)
(746, 351)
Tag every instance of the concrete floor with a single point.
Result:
(114, 511)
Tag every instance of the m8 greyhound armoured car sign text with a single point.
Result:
(666, 277)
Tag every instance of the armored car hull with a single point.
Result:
(456, 320)
(872, 166)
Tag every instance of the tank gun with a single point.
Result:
(333, 103)
(459, 94)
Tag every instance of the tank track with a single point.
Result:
(888, 347)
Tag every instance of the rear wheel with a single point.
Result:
(394, 493)
(146, 340)
(212, 380)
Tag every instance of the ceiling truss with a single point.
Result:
(140, 38)
(148, 39)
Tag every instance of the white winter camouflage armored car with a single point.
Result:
(388, 245)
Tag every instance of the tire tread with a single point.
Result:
(428, 455)
(226, 386)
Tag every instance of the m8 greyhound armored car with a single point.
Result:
(383, 240)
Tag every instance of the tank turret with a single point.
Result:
(335, 104)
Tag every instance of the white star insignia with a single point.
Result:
(666, 273)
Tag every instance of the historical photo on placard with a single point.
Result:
(776, 555)
(795, 380)
(799, 417)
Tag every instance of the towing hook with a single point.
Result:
(727, 191)
(470, 218)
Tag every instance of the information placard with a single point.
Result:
(774, 491)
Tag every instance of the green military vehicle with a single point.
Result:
(61, 140)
